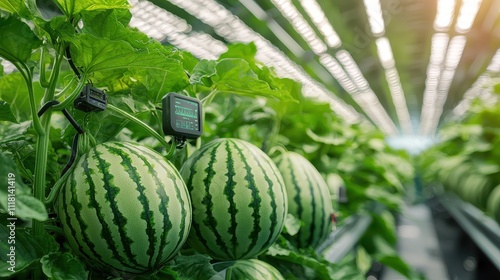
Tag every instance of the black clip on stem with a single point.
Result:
(181, 141)
(74, 145)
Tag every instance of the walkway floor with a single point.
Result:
(418, 244)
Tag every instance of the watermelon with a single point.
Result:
(238, 198)
(308, 199)
(251, 270)
(124, 209)
(493, 206)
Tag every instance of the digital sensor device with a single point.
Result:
(182, 116)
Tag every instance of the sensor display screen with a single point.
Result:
(186, 114)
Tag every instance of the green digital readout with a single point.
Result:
(186, 113)
(182, 116)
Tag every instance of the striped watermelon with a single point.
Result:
(251, 270)
(308, 199)
(238, 198)
(124, 208)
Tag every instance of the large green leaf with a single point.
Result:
(190, 267)
(13, 90)
(22, 8)
(234, 75)
(63, 266)
(148, 66)
(28, 249)
(18, 41)
(202, 72)
(73, 7)
(13, 190)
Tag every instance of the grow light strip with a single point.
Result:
(396, 89)
(467, 15)
(444, 16)
(298, 22)
(438, 53)
(373, 10)
(375, 18)
(319, 19)
(163, 25)
(453, 57)
(368, 101)
(277, 30)
(372, 108)
(233, 29)
(365, 97)
(480, 89)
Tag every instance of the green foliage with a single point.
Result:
(29, 249)
(242, 99)
(307, 264)
(18, 40)
(190, 267)
(26, 206)
(63, 266)
(465, 159)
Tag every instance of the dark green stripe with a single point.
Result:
(209, 221)
(273, 217)
(184, 214)
(254, 203)
(146, 213)
(193, 160)
(77, 207)
(313, 188)
(229, 192)
(296, 199)
(325, 217)
(164, 201)
(118, 219)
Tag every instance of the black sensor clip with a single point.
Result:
(91, 99)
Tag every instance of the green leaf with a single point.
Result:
(363, 260)
(202, 72)
(381, 195)
(234, 75)
(332, 139)
(284, 257)
(17, 7)
(18, 41)
(28, 249)
(73, 7)
(292, 224)
(63, 266)
(150, 66)
(13, 90)
(26, 206)
(191, 267)
(240, 50)
(6, 113)
(397, 263)
(111, 24)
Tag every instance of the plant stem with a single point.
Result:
(270, 141)
(43, 80)
(73, 95)
(43, 142)
(207, 99)
(140, 123)
(28, 78)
